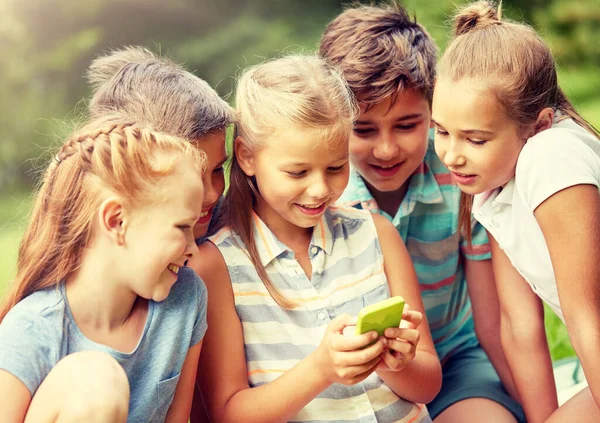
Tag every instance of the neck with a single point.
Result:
(96, 298)
(389, 201)
(293, 236)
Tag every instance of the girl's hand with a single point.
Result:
(401, 342)
(346, 359)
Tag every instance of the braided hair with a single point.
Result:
(109, 156)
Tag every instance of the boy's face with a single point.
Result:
(389, 141)
(213, 178)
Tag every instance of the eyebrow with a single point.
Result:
(466, 131)
(345, 157)
(400, 119)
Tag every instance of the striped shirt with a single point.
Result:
(427, 221)
(347, 274)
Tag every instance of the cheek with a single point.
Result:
(359, 149)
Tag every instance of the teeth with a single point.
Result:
(204, 213)
(387, 167)
(312, 207)
(173, 268)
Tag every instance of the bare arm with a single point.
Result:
(421, 379)
(524, 339)
(486, 316)
(570, 222)
(222, 373)
(14, 398)
(179, 411)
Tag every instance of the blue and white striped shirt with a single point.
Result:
(347, 274)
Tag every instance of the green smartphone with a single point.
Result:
(380, 316)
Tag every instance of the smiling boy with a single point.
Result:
(389, 61)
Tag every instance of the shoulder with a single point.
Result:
(42, 306)
(356, 191)
(31, 337)
(344, 213)
(557, 158)
(188, 282)
(565, 141)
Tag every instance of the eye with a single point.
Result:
(361, 132)
(184, 228)
(297, 174)
(441, 133)
(336, 169)
(476, 142)
(406, 127)
(218, 169)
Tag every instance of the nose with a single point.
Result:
(453, 156)
(319, 187)
(385, 148)
(191, 248)
(211, 195)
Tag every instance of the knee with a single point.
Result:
(101, 390)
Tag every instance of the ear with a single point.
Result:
(544, 120)
(244, 156)
(112, 220)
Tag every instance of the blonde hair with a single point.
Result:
(515, 61)
(381, 51)
(157, 91)
(296, 92)
(107, 155)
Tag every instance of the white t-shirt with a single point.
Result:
(552, 160)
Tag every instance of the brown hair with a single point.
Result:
(515, 61)
(381, 51)
(157, 91)
(295, 93)
(107, 156)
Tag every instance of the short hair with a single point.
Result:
(155, 90)
(381, 51)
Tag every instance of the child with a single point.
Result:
(101, 291)
(155, 90)
(288, 271)
(512, 139)
(389, 62)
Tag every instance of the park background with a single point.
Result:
(46, 46)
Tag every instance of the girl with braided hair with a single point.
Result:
(529, 166)
(104, 323)
(155, 90)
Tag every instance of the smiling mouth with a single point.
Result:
(173, 268)
(464, 175)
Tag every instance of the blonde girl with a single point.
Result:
(289, 270)
(103, 322)
(157, 91)
(530, 168)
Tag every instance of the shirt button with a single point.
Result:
(314, 250)
(321, 315)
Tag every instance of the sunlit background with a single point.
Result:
(46, 46)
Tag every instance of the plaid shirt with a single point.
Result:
(427, 221)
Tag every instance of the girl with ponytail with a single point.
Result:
(529, 167)
(103, 322)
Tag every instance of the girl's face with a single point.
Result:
(214, 178)
(159, 238)
(299, 176)
(474, 138)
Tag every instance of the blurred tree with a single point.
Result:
(47, 45)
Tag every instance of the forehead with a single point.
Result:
(182, 191)
(213, 146)
(305, 145)
(466, 102)
(409, 101)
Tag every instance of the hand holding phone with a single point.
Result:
(380, 316)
